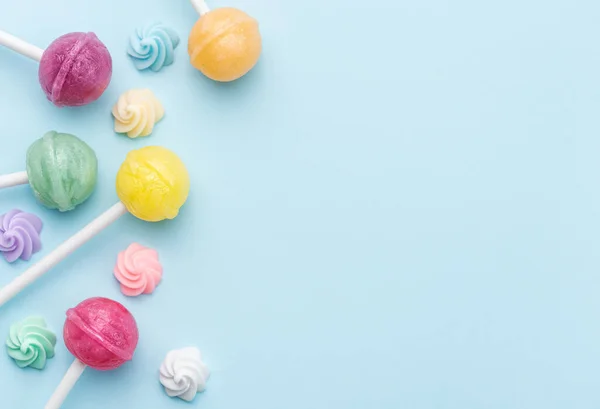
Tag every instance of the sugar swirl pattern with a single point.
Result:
(138, 270)
(153, 47)
(183, 374)
(19, 235)
(136, 112)
(30, 343)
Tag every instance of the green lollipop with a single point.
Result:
(61, 169)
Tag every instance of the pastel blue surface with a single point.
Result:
(398, 208)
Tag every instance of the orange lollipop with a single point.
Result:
(225, 43)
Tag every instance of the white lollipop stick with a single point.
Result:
(20, 46)
(13, 179)
(65, 386)
(61, 252)
(200, 6)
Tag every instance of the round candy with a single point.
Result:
(62, 170)
(75, 69)
(225, 44)
(153, 183)
(101, 333)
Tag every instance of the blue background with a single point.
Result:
(398, 208)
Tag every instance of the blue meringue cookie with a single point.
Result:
(153, 46)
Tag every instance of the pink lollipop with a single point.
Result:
(74, 70)
(102, 334)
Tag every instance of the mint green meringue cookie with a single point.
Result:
(62, 170)
(30, 343)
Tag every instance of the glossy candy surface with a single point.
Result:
(153, 183)
(225, 44)
(75, 69)
(101, 333)
(62, 170)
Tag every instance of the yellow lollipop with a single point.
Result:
(225, 43)
(152, 184)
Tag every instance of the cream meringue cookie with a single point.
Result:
(136, 112)
(183, 374)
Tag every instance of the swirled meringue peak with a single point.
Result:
(153, 47)
(183, 374)
(138, 270)
(136, 112)
(19, 235)
(30, 343)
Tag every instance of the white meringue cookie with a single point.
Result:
(183, 374)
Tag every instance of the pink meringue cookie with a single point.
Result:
(138, 270)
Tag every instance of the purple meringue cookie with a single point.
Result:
(19, 235)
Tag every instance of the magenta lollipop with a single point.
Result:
(101, 334)
(74, 70)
